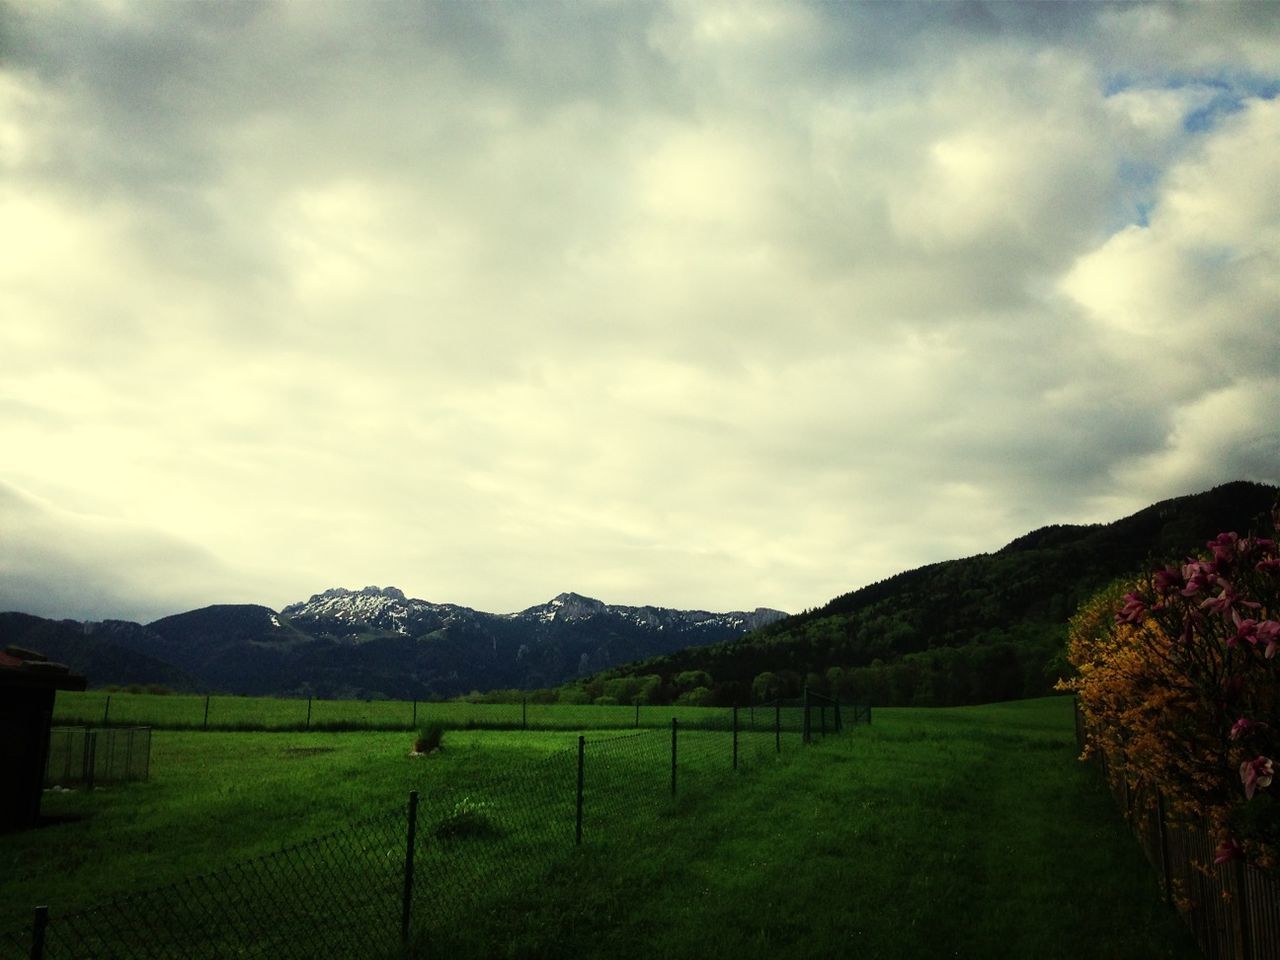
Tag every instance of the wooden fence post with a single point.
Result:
(406, 902)
(1245, 941)
(38, 925)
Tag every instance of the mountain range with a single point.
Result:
(374, 642)
(981, 628)
(973, 630)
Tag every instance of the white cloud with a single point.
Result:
(707, 305)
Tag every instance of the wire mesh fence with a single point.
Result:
(233, 713)
(1233, 908)
(395, 883)
(86, 757)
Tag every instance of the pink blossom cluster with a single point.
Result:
(1220, 613)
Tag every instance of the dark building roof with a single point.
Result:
(25, 668)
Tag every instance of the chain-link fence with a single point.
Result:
(88, 757)
(395, 884)
(231, 713)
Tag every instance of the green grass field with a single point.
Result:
(187, 712)
(967, 832)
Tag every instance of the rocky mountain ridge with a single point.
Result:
(375, 641)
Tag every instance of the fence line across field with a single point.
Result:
(1232, 909)
(235, 713)
(397, 882)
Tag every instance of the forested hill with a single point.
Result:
(990, 627)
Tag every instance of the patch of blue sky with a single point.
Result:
(1230, 91)
(1137, 195)
(1238, 84)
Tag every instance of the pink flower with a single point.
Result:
(1267, 633)
(1134, 609)
(1243, 726)
(1227, 599)
(1256, 774)
(1199, 576)
(1246, 631)
(1224, 547)
(1169, 580)
(1228, 850)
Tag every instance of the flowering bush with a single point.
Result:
(1179, 682)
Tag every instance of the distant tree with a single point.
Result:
(691, 680)
(697, 697)
(765, 686)
(650, 690)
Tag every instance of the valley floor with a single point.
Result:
(962, 833)
(970, 833)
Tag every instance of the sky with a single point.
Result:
(703, 305)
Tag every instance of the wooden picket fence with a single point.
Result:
(1232, 909)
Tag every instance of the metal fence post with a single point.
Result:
(206, 711)
(735, 737)
(674, 726)
(90, 757)
(308, 713)
(38, 925)
(106, 711)
(406, 903)
(637, 714)
(823, 712)
(839, 721)
(807, 729)
(524, 714)
(777, 725)
(582, 752)
(414, 724)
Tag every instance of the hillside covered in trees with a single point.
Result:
(984, 628)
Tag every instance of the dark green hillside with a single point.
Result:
(102, 652)
(981, 629)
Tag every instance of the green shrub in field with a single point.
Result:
(469, 818)
(430, 738)
(697, 697)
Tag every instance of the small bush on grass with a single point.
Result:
(469, 818)
(430, 738)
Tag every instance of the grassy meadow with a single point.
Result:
(965, 832)
(176, 711)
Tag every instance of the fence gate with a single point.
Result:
(88, 757)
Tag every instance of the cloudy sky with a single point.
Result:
(695, 304)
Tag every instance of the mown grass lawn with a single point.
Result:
(216, 798)
(970, 833)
